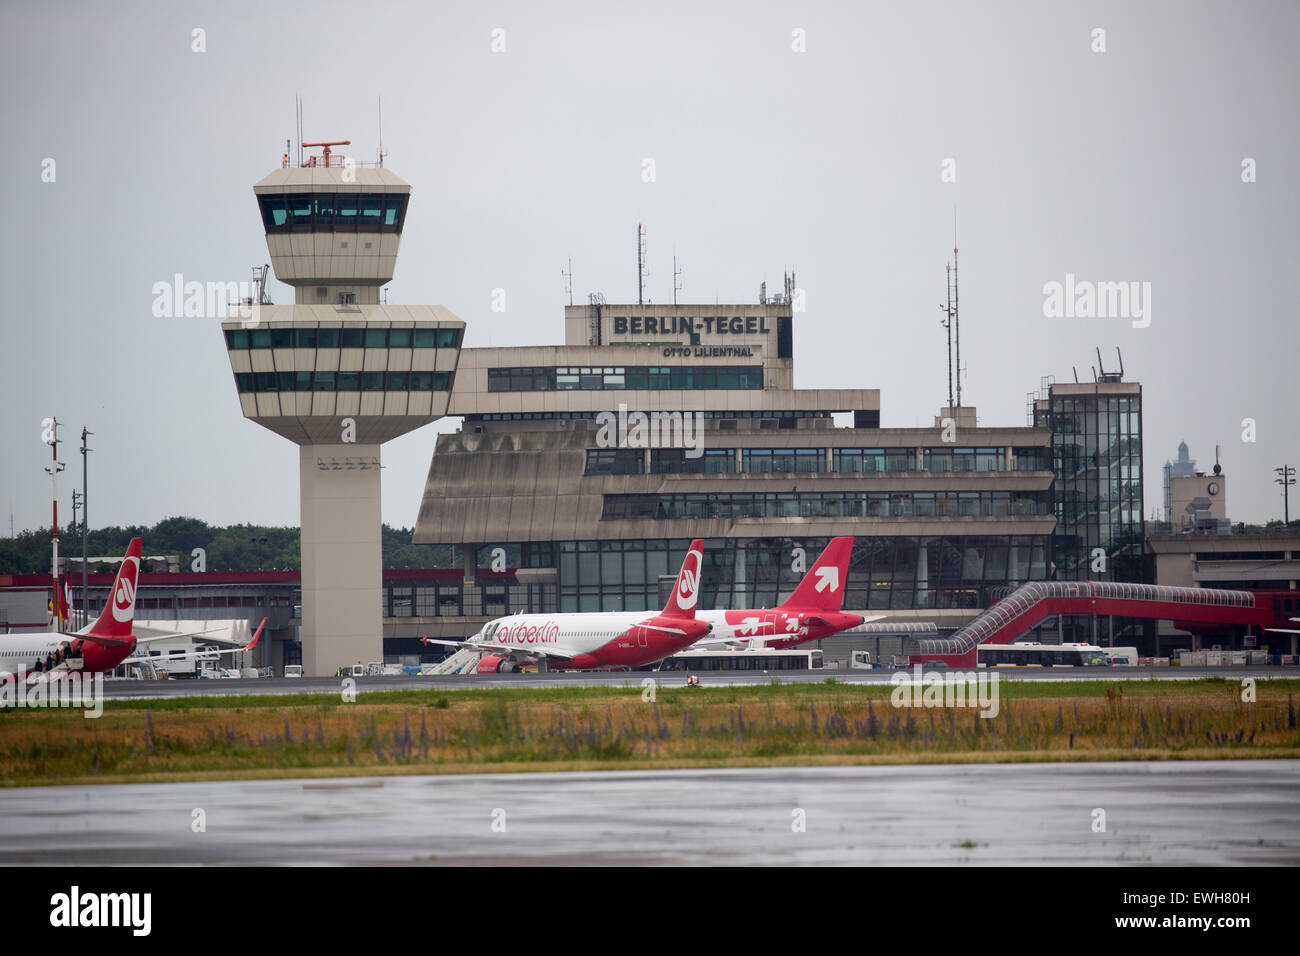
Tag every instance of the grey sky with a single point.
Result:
(1118, 166)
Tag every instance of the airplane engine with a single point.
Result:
(496, 664)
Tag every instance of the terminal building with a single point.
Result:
(561, 497)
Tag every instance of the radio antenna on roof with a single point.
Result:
(640, 264)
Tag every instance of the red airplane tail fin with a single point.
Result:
(119, 611)
(253, 643)
(686, 591)
(822, 588)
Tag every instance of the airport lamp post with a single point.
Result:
(85, 520)
(1286, 478)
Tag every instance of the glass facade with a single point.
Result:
(334, 338)
(343, 381)
(615, 461)
(675, 461)
(874, 460)
(782, 461)
(1097, 460)
(939, 571)
(885, 572)
(333, 212)
(964, 459)
(619, 377)
(830, 504)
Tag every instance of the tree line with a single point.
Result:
(241, 547)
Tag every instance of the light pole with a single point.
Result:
(53, 470)
(85, 518)
(1286, 478)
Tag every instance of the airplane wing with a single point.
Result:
(722, 642)
(106, 641)
(195, 655)
(866, 619)
(427, 640)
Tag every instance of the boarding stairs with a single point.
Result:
(55, 672)
(462, 662)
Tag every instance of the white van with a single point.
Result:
(292, 670)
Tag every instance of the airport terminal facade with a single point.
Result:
(558, 504)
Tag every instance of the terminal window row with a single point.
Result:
(598, 378)
(333, 212)
(885, 571)
(334, 338)
(343, 381)
(852, 504)
(783, 414)
(663, 461)
(631, 461)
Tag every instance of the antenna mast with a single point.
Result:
(569, 276)
(640, 264)
(947, 324)
(956, 306)
(677, 286)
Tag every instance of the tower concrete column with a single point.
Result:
(342, 579)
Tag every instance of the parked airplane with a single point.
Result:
(100, 647)
(809, 614)
(163, 662)
(594, 639)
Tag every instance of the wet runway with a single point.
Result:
(1163, 813)
(137, 689)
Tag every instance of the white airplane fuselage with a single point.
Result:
(592, 639)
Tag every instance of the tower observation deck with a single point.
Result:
(338, 373)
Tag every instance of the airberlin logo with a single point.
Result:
(124, 596)
(688, 582)
(547, 633)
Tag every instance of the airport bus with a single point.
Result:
(1034, 654)
(764, 659)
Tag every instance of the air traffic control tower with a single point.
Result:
(339, 374)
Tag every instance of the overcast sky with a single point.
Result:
(1122, 165)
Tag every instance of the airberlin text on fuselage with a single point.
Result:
(548, 633)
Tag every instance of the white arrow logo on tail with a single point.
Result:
(830, 577)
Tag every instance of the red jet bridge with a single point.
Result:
(1026, 606)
